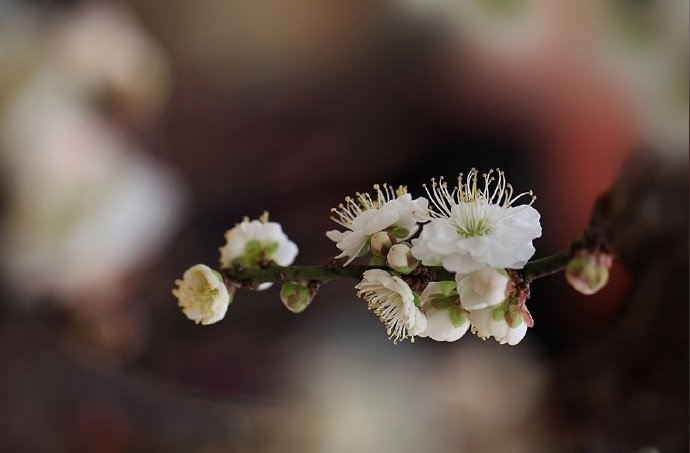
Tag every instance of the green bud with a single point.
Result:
(400, 259)
(381, 243)
(296, 296)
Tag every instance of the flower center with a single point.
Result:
(475, 227)
(476, 218)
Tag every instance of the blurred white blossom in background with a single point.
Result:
(473, 397)
(84, 203)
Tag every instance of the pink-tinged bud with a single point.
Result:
(381, 243)
(400, 259)
(588, 271)
(297, 296)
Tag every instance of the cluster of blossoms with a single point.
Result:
(474, 231)
(438, 266)
(203, 294)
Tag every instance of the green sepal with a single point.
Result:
(508, 311)
(457, 316)
(270, 248)
(447, 287)
(255, 252)
(499, 311)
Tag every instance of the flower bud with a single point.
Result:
(296, 296)
(381, 243)
(400, 259)
(588, 271)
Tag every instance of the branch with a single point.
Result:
(250, 277)
(245, 277)
(551, 264)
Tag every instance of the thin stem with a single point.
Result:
(551, 264)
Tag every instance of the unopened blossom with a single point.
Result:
(296, 296)
(482, 288)
(400, 259)
(507, 322)
(446, 320)
(477, 224)
(381, 243)
(203, 296)
(392, 300)
(363, 216)
(588, 272)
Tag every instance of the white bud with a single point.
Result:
(381, 243)
(588, 271)
(400, 259)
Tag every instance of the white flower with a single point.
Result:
(250, 243)
(203, 296)
(507, 322)
(393, 302)
(393, 211)
(446, 319)
(473, 227)
(483, 288)
(83, 205)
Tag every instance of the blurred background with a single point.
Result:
(134, 133)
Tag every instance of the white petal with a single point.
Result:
(516, 334)
(481, 289)
(382, 220)
(440, 328)
(461, 263)
(286, 253)
(335, 235)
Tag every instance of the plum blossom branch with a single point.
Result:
(468, 268)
